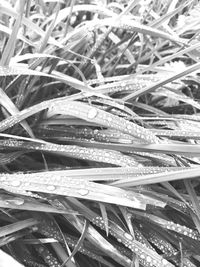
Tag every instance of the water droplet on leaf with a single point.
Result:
(128, 236)
(15, 201)
(92, 113)
(83, 192)
(51, 187)
(15, 183)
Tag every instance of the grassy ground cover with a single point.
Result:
(99, 133)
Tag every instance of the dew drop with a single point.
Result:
(16, 201)
(148, 259)
(128, 236)
(15, 183)
(83, 192)
(51, 187)
(92, 113)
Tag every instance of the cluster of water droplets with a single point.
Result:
(164, 159)
(49, 229)
(182, 230)
(121, 86)
(94, 154)
(106, 119)
(139, 237)
(56, 183)
(161, 244)
(47, 256)
(30, 261)
(188, 263)
(178, 133)
(8, 122)
(15, 201)
(44, 182)
(147, 257)
(127, 127)
(136, 83)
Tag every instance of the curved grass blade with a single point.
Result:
(134, 26)
(72, 243)
(65, 12)
(48, 227)
(19, 69)
(85, 112)
(103, 118)
(79, 243)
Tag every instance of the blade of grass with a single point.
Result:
(172, 78)
(7, 103)
(79, 188)
(8, 51)
(195, 202)
(9, 229)
(79, 243)
(159, 178)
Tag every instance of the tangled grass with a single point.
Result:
(99, 133)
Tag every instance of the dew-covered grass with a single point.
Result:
(99, 133)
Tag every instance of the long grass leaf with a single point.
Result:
(9, 229)
(158, 178)
(10, 46)
(73, 188)
(172, 78)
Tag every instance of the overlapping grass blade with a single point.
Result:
(10, 46)
(9, 229)
(46, 183)
(172, 78)
(159, 178)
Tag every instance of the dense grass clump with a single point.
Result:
(99, 133)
